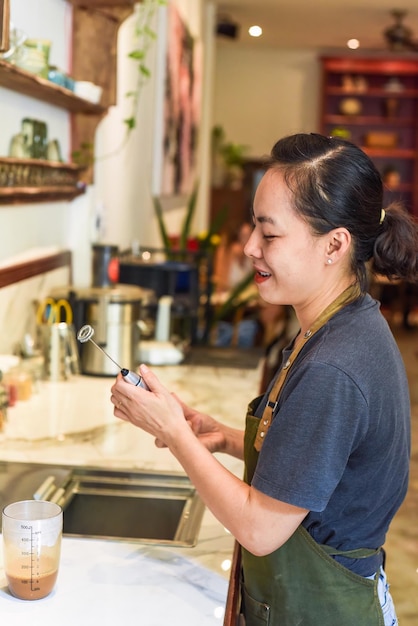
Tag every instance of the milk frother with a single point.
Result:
(86, 333)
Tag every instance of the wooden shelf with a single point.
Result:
(90, 4)
(36, 180)
(392, 153)
(12, 274)
(372, 93)
(371, 120)
(34, 86)
(94, 58)
(341, 77)
(388, 65)
(402, 188)
(26, 195)
(95, 25)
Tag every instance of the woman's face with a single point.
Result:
(288, 260)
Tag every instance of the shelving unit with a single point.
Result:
(37, 180)
(24, 82)
(374, 103)
(94, 44)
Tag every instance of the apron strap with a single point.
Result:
(348, 295)
(359, 553)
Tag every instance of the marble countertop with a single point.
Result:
(72, 422)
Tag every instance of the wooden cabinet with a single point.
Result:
(374, 103)
(94, 51)
(235, 203)
(232, 204)
(94, 34)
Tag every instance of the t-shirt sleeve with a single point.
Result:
(321, 419)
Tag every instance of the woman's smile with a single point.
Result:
(261, 277)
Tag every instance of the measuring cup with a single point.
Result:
(32, 531)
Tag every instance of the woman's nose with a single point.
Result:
(250, 248)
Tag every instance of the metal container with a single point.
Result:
(105, 265)
(59, 348)
(114, 313)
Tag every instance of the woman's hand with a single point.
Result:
(156, 411)
(209, 432)
(163, 415)
(260, 523)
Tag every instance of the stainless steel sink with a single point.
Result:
(149, 507)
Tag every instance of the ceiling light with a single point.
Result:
(353, 44)
(255, 31)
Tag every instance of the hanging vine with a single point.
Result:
(144, 38)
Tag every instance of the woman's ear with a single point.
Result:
(339, 242)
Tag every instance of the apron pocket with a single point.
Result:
(256, 613)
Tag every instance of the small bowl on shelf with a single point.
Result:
(88, 91)
(351, 106)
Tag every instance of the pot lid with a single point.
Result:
(113, 293)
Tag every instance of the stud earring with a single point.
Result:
(329, 261)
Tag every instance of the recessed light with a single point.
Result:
(255, 31)
(353, 44)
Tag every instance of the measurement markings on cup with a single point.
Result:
(35, 537)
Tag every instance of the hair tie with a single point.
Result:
(382, 216)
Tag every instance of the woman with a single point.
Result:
(232, 268)
(231, 263)
(326, 449)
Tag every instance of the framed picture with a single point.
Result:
(4, 25)
(179, 74)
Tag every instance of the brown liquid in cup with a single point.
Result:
(32, 588)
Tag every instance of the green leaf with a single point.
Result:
(130, 122)
(232, 302)
(219, 220)
(137, 54)
(160, 218)
(144, 70)
(151, 33)
(188, 218)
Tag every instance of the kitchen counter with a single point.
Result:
(72, 422)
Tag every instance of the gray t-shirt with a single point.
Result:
(339, 442)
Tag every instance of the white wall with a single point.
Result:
(124, 181)
(56, 224)
(121, 191)
(121, 194)
(256, 96)
(264, 94)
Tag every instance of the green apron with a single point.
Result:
(300, 584)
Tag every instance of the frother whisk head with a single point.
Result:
(85, 333)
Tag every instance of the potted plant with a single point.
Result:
(234, 157)
(228, 160)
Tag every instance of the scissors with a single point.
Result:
(52, 311)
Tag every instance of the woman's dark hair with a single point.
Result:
(335, 184)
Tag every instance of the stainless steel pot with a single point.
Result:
(115, 313)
